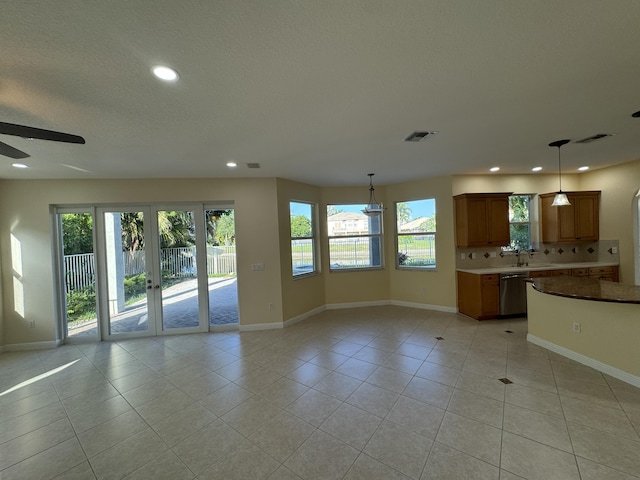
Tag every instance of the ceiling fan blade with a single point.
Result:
(39, 133)
(9, 151)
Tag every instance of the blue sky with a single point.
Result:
(419, 208)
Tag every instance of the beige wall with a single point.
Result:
(24, 213)
(299, 295)
(609, 331)
(619, 185)
(431, 287)
(356, 286)
(262, 228)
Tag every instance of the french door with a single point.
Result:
(150, 285)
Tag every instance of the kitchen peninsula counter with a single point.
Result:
(588, 289)
(594, 322)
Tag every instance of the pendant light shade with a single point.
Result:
(560, 200)
(373, 208)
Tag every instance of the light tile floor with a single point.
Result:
(365, 393)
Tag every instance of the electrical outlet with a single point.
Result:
(32, 324)
(271, 306)
(576, 327)
(493, 254)
(614, 250)
(553, 251)
(462, 256)
(257, 266)
(473, 255)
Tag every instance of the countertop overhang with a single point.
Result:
(587, 289)
(536, 267)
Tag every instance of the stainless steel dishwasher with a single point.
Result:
(513, 294)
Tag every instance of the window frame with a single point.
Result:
(399, 235)
(313, 238)
(371, 236)
(510, 248)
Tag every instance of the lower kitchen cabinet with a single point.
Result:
(599, 273)
(479, 295)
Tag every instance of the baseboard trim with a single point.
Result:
(424, 306)
(375, 303)
(261, 326)
(17, 347)
(589, 362)
(303, 316)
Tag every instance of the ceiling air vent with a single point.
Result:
(419, 136)
(253, 165)
(595, 137)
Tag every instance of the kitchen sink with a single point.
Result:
(533, 265)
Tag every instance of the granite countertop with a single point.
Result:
(588, 289)
(534, 267)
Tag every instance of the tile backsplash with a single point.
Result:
(601, 251)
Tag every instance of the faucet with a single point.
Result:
(523, 263)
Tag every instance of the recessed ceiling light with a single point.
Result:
(536, 169)
(494, 169)
(19, 165)
(582, 169)
(165, 73)
(232, 164)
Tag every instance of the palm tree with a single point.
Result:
(403, 211)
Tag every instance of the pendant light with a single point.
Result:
(373, 208)
(560, 200)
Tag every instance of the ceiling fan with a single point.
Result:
(32, 132)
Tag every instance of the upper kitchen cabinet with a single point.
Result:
(482, 219)
(578, 222)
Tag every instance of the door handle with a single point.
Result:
(149, 287)
(156, 286)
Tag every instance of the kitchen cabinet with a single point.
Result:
(599, 273)
(550, 273)
(578, 222)
(479, 295)
(482, 219)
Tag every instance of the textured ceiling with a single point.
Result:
(321, 92)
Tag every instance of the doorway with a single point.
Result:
(157, 270)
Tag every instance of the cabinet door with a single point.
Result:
(490, 300)
(567, 221)
(498, 221)
(477, 221)
(586, 217)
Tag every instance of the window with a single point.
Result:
(355, 239)
(303, 243)
(519, 222)
(416, 233)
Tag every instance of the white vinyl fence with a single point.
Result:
(79, 270)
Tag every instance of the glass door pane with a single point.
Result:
(221, 268)
(178, 262)
(78, 268)
(130, 286)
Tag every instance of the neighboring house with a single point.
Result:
(347, 223)
(413, 225)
